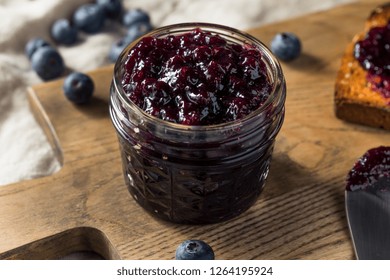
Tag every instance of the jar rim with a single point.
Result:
(277, 84)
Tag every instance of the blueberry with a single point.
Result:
(78, 87)
(63, 32)
(138, 29)
(135, 16)
(194, 250)
(286, 46)
(47, 63)
(89, 18)
(134, 32)
(117, 47)
(34, 44)
(112, 8)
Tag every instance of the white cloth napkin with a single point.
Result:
(24, 150)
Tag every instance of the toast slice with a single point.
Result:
(355, 99)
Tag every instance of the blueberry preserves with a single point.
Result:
(371, 171)
(373, 54)
(197, 108)
(196, 78)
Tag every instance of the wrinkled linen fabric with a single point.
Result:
(25, 152)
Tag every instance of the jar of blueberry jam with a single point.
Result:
(196, 108)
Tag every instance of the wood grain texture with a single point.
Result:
(300, 215)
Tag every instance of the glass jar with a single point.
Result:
(197, 174)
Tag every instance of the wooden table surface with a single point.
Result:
(300, 215)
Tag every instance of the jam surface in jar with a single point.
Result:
(196, 78)
(373, 54)
(197, 108)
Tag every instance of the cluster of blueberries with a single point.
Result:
(89, 18)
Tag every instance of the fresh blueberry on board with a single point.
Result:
(63, 32)
(89, 18)
(34, 44)
(47, 63)
(194, 250)
(112, 8)
(78, 87)
(135, 16)
(286, 46)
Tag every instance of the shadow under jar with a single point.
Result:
(198, 174)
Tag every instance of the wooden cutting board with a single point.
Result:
(300, 215)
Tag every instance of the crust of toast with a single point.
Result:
(355, 101)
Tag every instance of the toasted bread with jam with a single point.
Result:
(362, 95)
